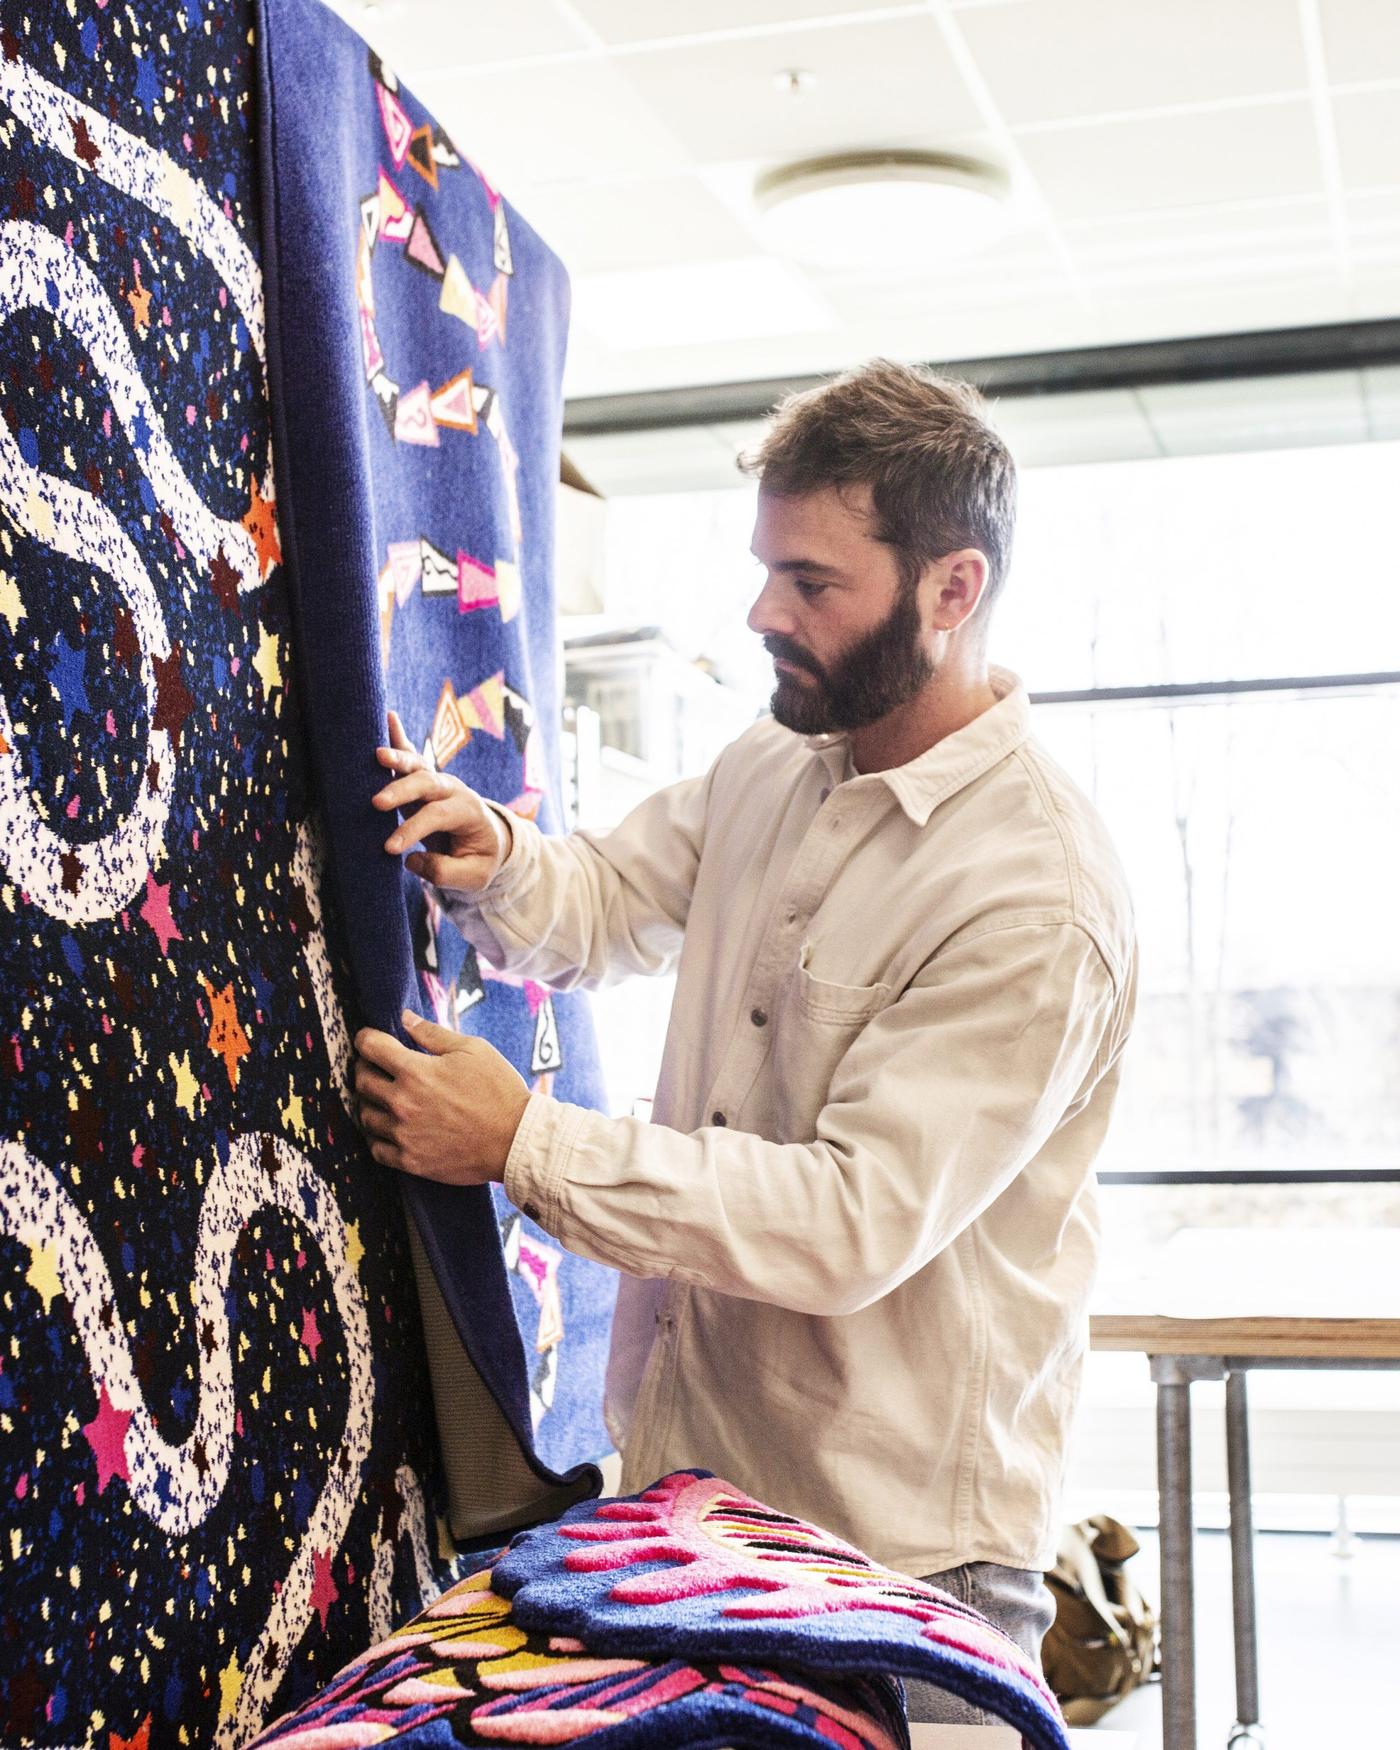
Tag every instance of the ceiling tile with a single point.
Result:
(1380, 389)
(1373, 222)
(628, 21)
(1089, 58)
(699, 302)
(642, 224)
(1240, 245)
(875, 83)
(1368, 137)
(686, 459)
(1137, 166)
(1021, 271)
(1361, 39)
(1142, 313)
(417, 36)
(1264, 414)
(1047, 430)
(531, 125)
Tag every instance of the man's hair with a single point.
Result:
(940, 478)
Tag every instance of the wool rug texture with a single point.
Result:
(687, 1615)
(416, 346)
(219, 1477)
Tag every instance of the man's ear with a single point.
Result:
(961, 583)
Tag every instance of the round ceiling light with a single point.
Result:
(884, 210)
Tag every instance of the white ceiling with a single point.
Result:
(1178, 166)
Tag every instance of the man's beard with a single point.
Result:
(880, 672)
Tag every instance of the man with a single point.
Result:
(859, 1237)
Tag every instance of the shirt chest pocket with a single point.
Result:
(817, 1022)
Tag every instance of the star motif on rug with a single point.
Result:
(224, 580)
(106, 1435)
(260, 520)
(324, 1590)
(42, 1274)
(140, 300)
(267, 662)
(174, 702)
(156, 912)
(226, 1036)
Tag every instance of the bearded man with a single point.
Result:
(859, 1236)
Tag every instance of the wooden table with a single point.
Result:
(1218, 1303)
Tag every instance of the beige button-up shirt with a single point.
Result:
(859, 1235)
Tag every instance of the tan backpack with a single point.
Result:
(1103, 1641)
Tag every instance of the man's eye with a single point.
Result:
(810, 591)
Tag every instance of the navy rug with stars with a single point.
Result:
(218, 1481)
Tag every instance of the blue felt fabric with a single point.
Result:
(409, 302)
(216, 1479)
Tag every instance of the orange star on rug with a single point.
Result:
(139, 1740)
(226, 1036)
(140, 300)
(260, 520)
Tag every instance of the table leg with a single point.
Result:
(1173, 1375)
(1246, 1729)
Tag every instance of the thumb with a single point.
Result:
(431, 1037)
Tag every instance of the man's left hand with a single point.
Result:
(448, 1112)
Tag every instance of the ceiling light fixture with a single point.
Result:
(883, 210)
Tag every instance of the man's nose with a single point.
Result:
(768, 613)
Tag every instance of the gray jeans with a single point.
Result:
(1016, 1600)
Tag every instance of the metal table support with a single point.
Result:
(1173, 1375)
(1246, 1728)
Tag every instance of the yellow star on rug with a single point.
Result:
(266, 662)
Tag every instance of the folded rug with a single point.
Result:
(416, 330)
(687, 1615)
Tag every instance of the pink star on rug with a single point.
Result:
(157, 914)
(106, 1435)
(311, 1337)
(324, 1590)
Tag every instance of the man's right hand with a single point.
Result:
(431, 802)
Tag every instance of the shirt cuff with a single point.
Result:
(539, 1158)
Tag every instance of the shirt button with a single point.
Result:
(718, 1118)
(532, 1210)
(758, 1018)
(792, 917)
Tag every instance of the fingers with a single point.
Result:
(434, 1038)
(387, 1155)
(377, 1124)
(383, 1051)
(465, 874)
(442, 816)
(372, 1084)
(419, 786)
(398, 735)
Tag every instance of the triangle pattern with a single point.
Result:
(453, 404)
(369, 218)
(413, 420)
(501, 242)
(398, 130)
(420, 154)
(458, 295)
(395, 214)
(476, 584)
(438, 571)
(450, 734)
(422, 250)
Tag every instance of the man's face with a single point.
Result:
(845, 634)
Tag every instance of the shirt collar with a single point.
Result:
(953, 763)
